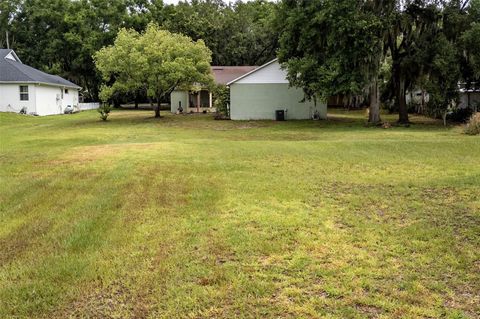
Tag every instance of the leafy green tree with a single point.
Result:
(8, 11)
(238, 34)
(444, 73)
(411, 26)
(333, 47)
(156, 60)
(122, 65)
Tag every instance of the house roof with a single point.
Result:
(12, 70)
(225, 74)
(252, 71)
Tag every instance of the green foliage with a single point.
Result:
(155, 61)
(221, 102)
(330, 47)
(444, 74)
(61, 36)
(104, 111)
(237, 34)
(473, 125)
(471, 42)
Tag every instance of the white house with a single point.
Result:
(260, 93)
(23, 87)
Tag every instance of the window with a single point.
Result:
(66, 91)
(23, 92)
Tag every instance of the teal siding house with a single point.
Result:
(258, 94)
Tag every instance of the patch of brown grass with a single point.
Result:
(22, 239)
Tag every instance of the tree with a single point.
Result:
(444, 73)
(411, 26)
(237, 34)
(333, 47)
(155, 60)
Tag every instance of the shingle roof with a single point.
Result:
(225, 74)
(16, 71)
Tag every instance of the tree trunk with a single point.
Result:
(400, 96)
(157, 109)
(374, 114)
(136, 101)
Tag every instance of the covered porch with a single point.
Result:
(192, 101)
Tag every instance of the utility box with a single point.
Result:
(280, 115)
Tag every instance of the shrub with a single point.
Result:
(473, 125)
(460, 115)
(221, 102)
(104, 111)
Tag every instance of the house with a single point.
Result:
(191, 101)
(25, 88)
(260, 93)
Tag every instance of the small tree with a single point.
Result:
(156, 61)
(104, 111)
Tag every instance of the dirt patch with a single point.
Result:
(20, 240)
(87, 154)
(116, 300)
(369, 310)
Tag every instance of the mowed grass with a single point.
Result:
(187, 217)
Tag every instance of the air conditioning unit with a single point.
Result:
(58, 97)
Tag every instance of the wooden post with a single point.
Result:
(210, 99)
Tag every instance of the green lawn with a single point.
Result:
(187, 217)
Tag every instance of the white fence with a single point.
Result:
(88, 106)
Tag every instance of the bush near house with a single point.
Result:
(473, 125)
(221, 94)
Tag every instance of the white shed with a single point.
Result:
(24, 87)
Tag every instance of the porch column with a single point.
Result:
(198, 101)
(210, 99)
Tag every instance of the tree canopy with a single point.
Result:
(61, 36)
(338, 47)
(332, 47)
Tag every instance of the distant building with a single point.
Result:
(25, 88)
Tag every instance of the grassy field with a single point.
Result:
(187, 217)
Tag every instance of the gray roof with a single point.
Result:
(17, 72)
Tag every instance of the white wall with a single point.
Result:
(42, 99)
(70, 98)
(271, 73)
(47, 103)
(10, 98)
